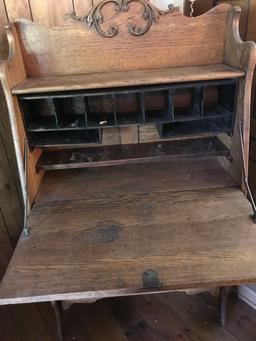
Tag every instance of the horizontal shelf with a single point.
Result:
(64, 138)
(126, 78)
(125, 154)
(219, 124)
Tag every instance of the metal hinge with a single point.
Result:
(253, 216)
(26, 231)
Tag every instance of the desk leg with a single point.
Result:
(223, 299)
(58, 312)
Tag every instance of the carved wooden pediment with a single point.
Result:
(95, 17)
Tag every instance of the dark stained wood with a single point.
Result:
(6, 248)
(162, 317)
(252, 176)
(99, 241)
(196, 315)
(133, 153)
(172, 175)
(253, 150)
(126, 78)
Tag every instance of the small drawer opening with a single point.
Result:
(158, 106)
(100, 111)
(39, 114)
(70, 112)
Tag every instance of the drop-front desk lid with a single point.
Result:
(133, 229)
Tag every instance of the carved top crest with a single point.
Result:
(95, 17)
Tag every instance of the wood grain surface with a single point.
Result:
(90, 243)
(73, 48)
(130, 153)
(126, 78)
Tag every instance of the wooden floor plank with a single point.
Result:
(92, 322)
(199, 317)
(165, 324)
(135, 319)
(127, 78)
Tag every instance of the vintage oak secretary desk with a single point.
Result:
(137, 122)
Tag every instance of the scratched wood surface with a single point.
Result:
(11, 214)
(75, 229)
(126, 78)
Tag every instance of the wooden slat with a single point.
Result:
(131, 153)
(18, 9)
(76, 251)
(127, 78)
(50, 13)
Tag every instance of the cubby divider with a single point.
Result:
(175, 109)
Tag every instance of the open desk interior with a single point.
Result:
(135, 170)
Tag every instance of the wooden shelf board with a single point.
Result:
(89, 241)
(134, 153)
(126, 78)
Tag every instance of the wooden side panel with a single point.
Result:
(74, 48)
(12, 72)
(50, 13)
(242, 55)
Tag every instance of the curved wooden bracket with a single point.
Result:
(95, 17)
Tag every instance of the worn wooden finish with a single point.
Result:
(173, 175)
(162, 317)
(130, 153)
(11, 209)
(116, 256)
(187, 38)
(12, 72)
(127, 78)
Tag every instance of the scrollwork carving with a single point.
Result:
(95, 17)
